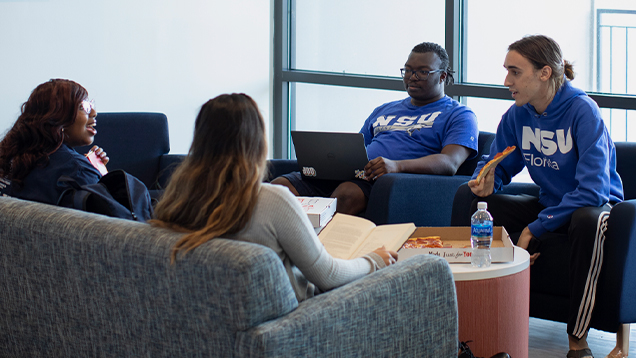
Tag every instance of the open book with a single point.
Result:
(348, 237)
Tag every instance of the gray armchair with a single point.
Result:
(76, 284)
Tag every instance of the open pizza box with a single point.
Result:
(501, 249)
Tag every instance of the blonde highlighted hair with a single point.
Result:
(214, 191)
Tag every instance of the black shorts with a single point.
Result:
(323, 188)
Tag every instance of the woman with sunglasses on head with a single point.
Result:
(38, 149)
(218, 192)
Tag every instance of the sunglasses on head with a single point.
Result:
(88, 106)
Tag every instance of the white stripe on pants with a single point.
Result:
(587, 303)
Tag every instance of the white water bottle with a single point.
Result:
(481, 236)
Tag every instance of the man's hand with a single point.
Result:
(524, 242)
(485, 187)
(379, 166)
(445, 163)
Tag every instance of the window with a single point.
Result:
(615, 68)
(335, 61)
(616, 52)
(362, 36)
(337, 108)
(600, 66)
(488, 111)
(621, 123)
(487, 41)
(343, 58)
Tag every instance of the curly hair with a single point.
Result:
(214, 191)
(39, 130)
(543, 51)
(425, 47)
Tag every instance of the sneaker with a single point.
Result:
(465, 352)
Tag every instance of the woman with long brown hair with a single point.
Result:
(218, 192)
(38, 149)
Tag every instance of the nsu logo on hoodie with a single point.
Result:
(545, 142)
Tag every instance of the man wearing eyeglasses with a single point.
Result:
(427, 133)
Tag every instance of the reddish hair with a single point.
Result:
(38, 132)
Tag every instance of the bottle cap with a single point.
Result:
(482, 205)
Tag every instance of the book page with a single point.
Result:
(392, 236)
(344, 234)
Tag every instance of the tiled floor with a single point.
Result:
(548, 339)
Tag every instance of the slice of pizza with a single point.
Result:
(493, 162)
(423, 242)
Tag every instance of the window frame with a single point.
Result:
(285, 76)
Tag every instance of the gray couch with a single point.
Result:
(84, 285)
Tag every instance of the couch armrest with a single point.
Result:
(408, 309)
(616, 301)
(423, 199)
(278, 167)
(167, 165)
(464, 197)
(520, 188)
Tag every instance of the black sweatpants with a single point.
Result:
(585, 234)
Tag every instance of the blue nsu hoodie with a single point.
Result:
(568, 153)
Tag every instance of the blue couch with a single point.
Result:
(76, 284)
(138, 143)
(423, 199)
(616, 291)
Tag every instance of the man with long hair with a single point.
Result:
(566, 147)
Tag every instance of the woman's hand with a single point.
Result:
(99, 152)
(485, 187)
(389, 257)
(524, 242)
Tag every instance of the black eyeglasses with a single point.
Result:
(419, 74)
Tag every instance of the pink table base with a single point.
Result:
(494, 314)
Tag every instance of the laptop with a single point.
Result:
(330, 155)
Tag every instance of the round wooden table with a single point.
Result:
(494, 306)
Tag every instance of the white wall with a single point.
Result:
(140, 55)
